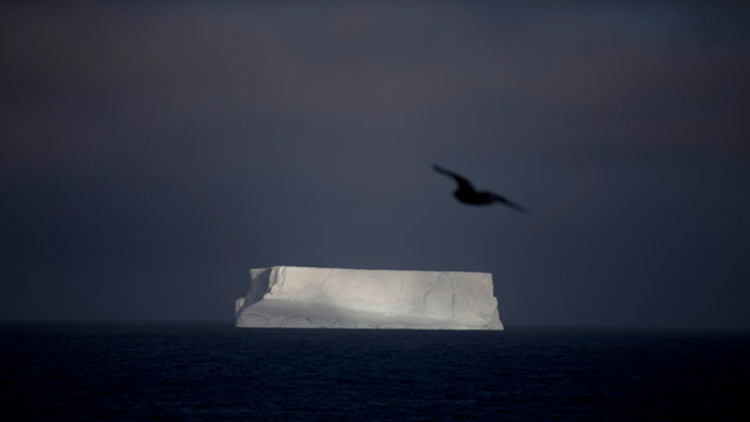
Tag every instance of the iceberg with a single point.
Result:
(306, 297)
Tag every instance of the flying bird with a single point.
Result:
(468, 195)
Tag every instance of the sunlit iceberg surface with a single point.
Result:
(303, 297)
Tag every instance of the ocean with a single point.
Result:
(215, 372)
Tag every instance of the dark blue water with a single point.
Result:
(131, 372)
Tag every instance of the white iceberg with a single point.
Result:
(304, 297)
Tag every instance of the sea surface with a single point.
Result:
(215, 372)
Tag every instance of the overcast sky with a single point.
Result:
(152, 153)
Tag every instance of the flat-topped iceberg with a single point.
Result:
(304, 297)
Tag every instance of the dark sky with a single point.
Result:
(152, 153)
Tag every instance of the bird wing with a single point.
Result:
(505, 201)
(462, 183)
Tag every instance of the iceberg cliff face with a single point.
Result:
(303, 297)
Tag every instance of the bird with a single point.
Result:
(468, 195)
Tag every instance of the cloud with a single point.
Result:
(361, 61)
(162, 131)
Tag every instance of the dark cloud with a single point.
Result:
(153, 153)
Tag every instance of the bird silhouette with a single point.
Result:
(468, 195)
